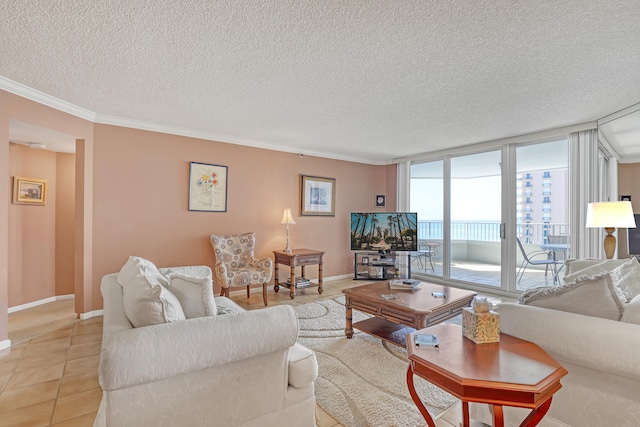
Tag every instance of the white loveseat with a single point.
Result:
(601, 355)
(235, 369)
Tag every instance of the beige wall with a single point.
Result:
(5, 186)
(65, 217)
(131, 195)
(141, 183)
(628, 184)
(32, 230)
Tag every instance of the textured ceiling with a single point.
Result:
(367, 80)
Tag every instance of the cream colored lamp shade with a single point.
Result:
(287, 218)
(610, 215)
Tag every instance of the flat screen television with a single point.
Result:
(384, 231)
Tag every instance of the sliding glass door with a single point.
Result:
(470, 205)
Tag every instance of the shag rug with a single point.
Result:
(362, 380)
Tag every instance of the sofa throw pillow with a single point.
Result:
(194, 293)
(146, 303)
(588, 267)
(627, 277)
(632, 311)
(140, 267)
(592, 296)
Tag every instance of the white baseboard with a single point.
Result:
(90, 314)
(5, 344)
(39, 302)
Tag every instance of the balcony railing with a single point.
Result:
(489, 231)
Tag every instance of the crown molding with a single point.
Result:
(213, 136)
(44, 99)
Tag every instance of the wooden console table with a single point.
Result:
(297, 258)
(512, 372)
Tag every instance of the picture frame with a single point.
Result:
(29, 191)
(365, 260)
(625, 198)
(317, 196)
(381, 200)
(207, 187)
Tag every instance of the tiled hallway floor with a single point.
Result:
(49, 376)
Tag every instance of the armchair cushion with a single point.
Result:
(194, 293)
(147, 304)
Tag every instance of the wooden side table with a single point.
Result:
(297, 258)
(512, 372)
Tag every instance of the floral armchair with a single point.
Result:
(236, 265)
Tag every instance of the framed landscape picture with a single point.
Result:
(29, 191)
(207, 187)
(317, 196)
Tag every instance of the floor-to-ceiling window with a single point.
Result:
(542, 212)
(461, 202)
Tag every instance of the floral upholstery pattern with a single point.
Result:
(235, 262)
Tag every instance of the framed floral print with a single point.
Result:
(207, 187)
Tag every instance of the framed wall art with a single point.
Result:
(207, 187)
(381, 200)
(317, 196)
(29, 191)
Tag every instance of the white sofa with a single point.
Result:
(601, 355)
(238, 369)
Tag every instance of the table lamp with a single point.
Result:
(610, 215)
(287, 219)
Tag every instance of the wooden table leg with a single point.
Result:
(264, 294)
(348, 331)
(276, 283)
(498, 416)
(416, 398)
(320, 277)
(537, 414)
(292, 283)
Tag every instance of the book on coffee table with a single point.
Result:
(406, 284)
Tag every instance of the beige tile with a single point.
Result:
(47, 347)
(38, 415)
(82, 421)
(86, 338)
(12, 353)
(41, 361)
(76, 405)
(34, 376)
(29, 395)
(84, 364)
(92, 320)
(84, 350)
(91, 328)
(53, 335)
(72, 384)
(8, 366)
(4, 379)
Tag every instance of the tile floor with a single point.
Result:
(49, 377)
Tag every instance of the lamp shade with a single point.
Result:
(610, 214)
(288, 219)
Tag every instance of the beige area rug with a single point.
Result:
(362, 381)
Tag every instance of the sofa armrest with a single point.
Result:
(596, 343)
(264, 264)
(157, 352)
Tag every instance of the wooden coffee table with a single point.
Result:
(409, 310)
(512, 372)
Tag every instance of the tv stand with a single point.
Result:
(380, 265)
